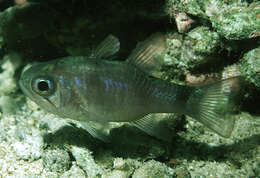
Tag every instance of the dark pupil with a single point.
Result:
(43, 86)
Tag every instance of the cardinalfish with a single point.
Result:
(95, 90)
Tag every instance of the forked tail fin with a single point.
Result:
(212, 105)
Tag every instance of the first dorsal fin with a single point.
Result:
(108, 47)
(147, 54)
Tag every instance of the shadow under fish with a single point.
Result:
(96, 91)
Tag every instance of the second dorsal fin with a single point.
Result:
(148, 54)
(108, 47)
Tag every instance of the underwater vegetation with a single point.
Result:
(205, 42)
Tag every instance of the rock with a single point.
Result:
(183, 22)
(74, 171)
(231, 71)
(117, 174)
(200, 47)
(11, 62)
(85, 160)
(119, 164)
(56, 160)
(195, 49)
(30, 149)
(7, 104)
(154, 169)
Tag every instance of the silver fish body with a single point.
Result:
(93, 89)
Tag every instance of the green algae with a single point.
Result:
(237, 23)
(250, 65)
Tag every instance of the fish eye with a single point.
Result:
(43, 86)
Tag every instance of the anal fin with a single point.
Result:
(97, 130)
(154, 126)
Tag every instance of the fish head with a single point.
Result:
(47, 88)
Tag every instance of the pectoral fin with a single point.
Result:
(107, 48)
(154, 125)
(148, 54)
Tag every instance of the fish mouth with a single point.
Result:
(25, 90)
